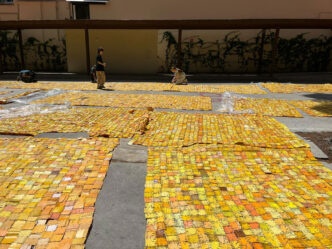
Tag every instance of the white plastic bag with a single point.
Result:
(26, 110)
(37, 95)
(228, 101)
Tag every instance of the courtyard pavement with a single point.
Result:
(119, 220)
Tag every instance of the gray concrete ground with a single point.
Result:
(63, 135)
(119, 220)
(11, 136)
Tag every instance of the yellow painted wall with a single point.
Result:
(211, 9)
(126, 51)
(75, 43)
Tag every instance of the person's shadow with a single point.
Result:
(324, 107)
(108, 89)
(326, 102)
(319, 96)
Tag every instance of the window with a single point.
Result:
(6, 1)
(82, 10)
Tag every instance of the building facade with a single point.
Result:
(152, 51)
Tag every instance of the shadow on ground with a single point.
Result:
(320, 96)
(324, 108)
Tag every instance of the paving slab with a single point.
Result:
(62, 135)
(307, 124)
(119, 220)
(129, 153)
(11, 136)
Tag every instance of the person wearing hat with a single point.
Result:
(100, 69)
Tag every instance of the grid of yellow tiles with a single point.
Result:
(224, 181)
(131, 100)
(203, 88)
(270, 107)
(86, 86)
(314, 108)
(97, 122)
(294, 88)
(181, 129)
(237, 197)
(48, 190)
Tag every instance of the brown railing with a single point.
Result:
(171, 24)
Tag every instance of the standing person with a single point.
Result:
(179, 76)
(100, 69)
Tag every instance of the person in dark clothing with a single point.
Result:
(93, 75)
(100, 69)
(27, 76)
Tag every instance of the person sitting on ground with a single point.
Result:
(179, 76)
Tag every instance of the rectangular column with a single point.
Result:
(87, 50)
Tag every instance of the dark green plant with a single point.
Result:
(213, 55)
(9, 48)
(171, 49)
(46, 56)
(297, 54)
(49, 56)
